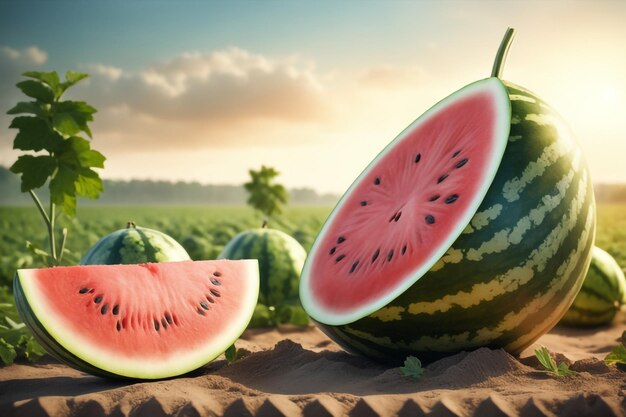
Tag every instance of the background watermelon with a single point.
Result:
(134, 245)
(602, 294)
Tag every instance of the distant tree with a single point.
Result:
(263, 194)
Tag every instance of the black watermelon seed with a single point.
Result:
(375, 255)
(164, 323)
(339, 258)
(215, 281)
(455, 154)
(452, 198)
(210, 299)
(83, 290)
(376, 181)
(118, 326)
(418, 157)
(215, 292)
(217, 273)
(434, 198)
(332, 250)
(364, 203)
(168, 318)
(393, 216)
(430, 219)
(341, 239)
(390, 255)
(200, 311)
(461, 163)
(98, 299)
(353, 267)
(398, 216)
(443, 177)
(104, 309)
(204, 305)
(156, 325)
(116, 310)
(403, 249)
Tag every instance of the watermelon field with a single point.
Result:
(204, 231)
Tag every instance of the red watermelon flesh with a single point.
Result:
(141, 321)
(407, 208)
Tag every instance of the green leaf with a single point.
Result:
(71, 117)
(231, 353)
(7, 352)
(51, 79)
(33, 350)
(36, 90)
(412, 368)
(71, 78)
(261, 317)
(65, 123)
(88, 184)
(31, 107)
(74, 176)
(543, 354)
(63, 189)
(34, 135)
(35, 170)
(38, 251)
(617, 355)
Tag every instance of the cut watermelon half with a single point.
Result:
(144, 321)
(408, 206)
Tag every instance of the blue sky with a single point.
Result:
(192, 90)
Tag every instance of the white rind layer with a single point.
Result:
(501, 133)
(149, 368)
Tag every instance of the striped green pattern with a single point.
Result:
(602, 294)
(280, 258)
(515, 269)
(134, 245)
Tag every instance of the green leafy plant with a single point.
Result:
(263, 194)
(617, 355)
(233, 353)
(412, 368)
(15, 339)
(543, 354)
(49, 132)
(274, 316)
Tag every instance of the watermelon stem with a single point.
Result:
(503, 50)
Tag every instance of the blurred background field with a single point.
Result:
(204, 231)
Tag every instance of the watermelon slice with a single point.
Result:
(408, 206)
(145, 321)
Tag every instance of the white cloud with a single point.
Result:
(228, 98)
(31, 55)
(107, 71)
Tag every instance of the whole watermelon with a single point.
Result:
(280, 262)
(602, 294)
(473, 228)
(134, 245)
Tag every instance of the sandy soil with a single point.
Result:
(293, 372)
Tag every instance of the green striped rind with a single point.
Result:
(135, 245)
(602, 294)
(47, 341)
(280, 262)
(516, 268)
